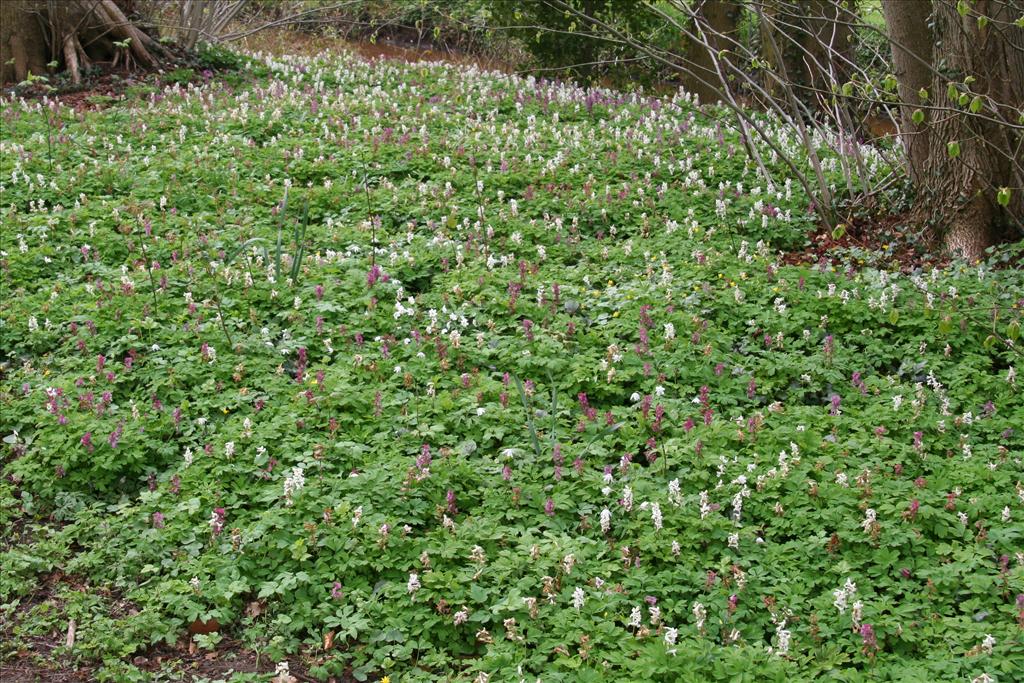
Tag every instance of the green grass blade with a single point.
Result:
(300, 244)
(554, 409)
(280, 231)
(529, 416)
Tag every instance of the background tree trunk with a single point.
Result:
(809, 41)
(933, 47)
(960, 193)
(22, 40)
(719, 19)
(826, 44)
(778, 50)
(911, 39)
(73, 33)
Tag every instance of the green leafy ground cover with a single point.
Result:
(573, 419)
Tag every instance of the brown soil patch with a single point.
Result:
(891, 241)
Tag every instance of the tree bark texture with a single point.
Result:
(933, 47)
(718, 20)
(23, 47)
(810, 42)
(74, 33)
(911, 39)
(965, 188)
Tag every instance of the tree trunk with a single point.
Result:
(827, 44)
(959, 161)
(71, 58)
(72, 32)
(21, 40)
(965, 187)
(717, 19)
(191, 21)
(139, 43)
(778, 51)
(810, 41)
(911, 40)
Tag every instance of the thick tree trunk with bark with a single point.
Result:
(74, 33)
(810, 41)
(956, 192)
(716, 21)
(23, 47)
(965, 187)
(911, 39)
(826, 44)
(778, 52)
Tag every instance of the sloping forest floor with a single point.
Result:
(329, 367)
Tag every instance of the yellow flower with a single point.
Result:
(224, 410)
(386, 679)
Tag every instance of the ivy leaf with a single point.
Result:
(923, 93)
(953, 147)
(917, 117)
(951, 92)
(976, 104)
(1003, 196)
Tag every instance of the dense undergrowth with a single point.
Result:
(572, 419)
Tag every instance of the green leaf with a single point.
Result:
(894, 316)
(1003, 196)
(976, 104)
(953, 148)
(964, 99)
(951, 92)
(923, 93)
(1013, 330)
(962, 8)
(982, 22)
(839, 231)
(917, 117)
